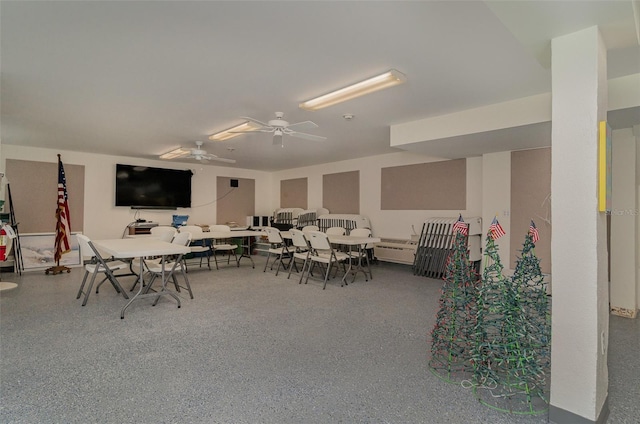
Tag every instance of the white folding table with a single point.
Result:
(142, 248)
(358, 242)
(350, 241)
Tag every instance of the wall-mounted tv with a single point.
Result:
(143, 187)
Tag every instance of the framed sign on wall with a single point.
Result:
(38, 250)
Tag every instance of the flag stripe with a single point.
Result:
(533, 231)
(496, 229)
(461, 227)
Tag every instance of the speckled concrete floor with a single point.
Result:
(250, 348)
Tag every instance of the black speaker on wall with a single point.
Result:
(234, 183)
(265, 221)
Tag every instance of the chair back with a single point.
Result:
(318, 240)
(336, 231)
(183, 238)
(273, 234)
(298, 239)
(85, 246)
(360, 232)
(310, 228)
(163, 233)
(193, 229)
(219, 227)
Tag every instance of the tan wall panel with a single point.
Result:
(531, 200)
(341, 192)
(425, 186)
(34, 191)
(234, 203)
(293, 193)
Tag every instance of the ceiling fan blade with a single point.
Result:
(264, 129)
(255, 121)
(217, 159)
(303, 126)
(306, 136)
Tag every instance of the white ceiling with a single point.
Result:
(140, 78)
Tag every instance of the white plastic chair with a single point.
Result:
(323, 253)
(163, 233)
(96, 266)
(201, 247)
(169, 267)
(278, 248)
(362, 252)
(335, 231)
(302, 251)
(223, 245)
(310, 228)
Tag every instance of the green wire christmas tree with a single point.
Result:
(506, 367)
(453, 333)
(531, 290)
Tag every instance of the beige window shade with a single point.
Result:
(341, 192)
(235, 203)
(293, 193)
(34, 191)
(425, 186)
(531, 200)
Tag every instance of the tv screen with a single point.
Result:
(143, 187)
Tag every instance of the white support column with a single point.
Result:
(580, 311)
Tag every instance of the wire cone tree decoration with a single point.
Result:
(452, 337)
(508, 372)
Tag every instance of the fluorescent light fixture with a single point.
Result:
(233, 131)
(388, 79)
(175, 153)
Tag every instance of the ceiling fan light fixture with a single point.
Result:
(388, 79)
(175, 153)
(233, 131)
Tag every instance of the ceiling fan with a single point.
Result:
(198, 154)
(279, 128)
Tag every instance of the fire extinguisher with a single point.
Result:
(3, 244)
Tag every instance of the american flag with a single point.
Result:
(461, 227)
(495, 229)
(533, 231)
(63, 225)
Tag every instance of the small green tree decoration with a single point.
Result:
(453, 333)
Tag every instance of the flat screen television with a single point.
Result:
(143, 187)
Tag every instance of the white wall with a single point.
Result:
(385, 223)
(496, 200)
(623, 223)
(103, 220)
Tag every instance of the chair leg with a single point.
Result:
(84, 280)
(279, 260)
(304, 265)
(267, 262)
(88, 292)
(186, 281)
(215, 259)
(326, 275)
